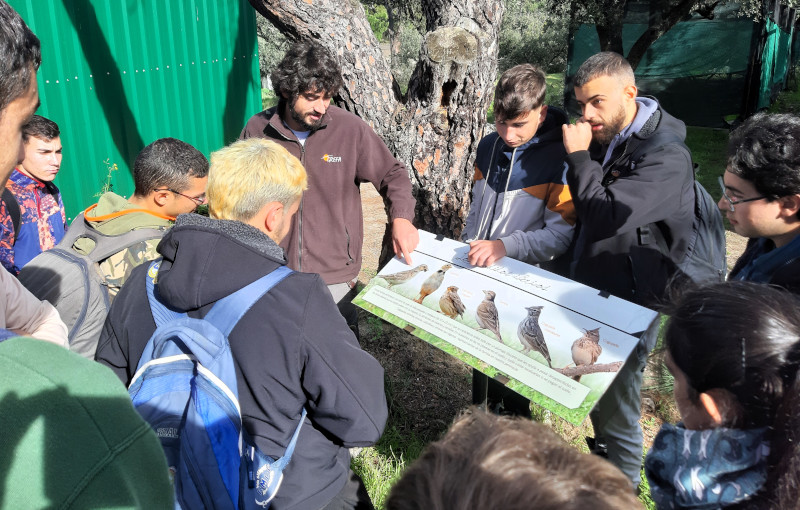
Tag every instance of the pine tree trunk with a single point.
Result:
(436, 127)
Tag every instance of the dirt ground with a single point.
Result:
(429, 387)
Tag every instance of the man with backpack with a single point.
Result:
(82, 274)
(34, 219)
(632, 183)
(169, 179)
(291, 349)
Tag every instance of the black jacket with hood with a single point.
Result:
(615, 199)
(292, 350)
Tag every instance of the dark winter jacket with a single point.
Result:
(520, 196)
(784, 266)
(291, 350)
(327, 231)
(614, 200)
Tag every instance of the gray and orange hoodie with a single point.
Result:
(520, 196)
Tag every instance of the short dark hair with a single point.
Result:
(765, 150)
(605, 63)
(744, 337)
(306, 66)
(40, 127)
(519, 90)
(167, 163)
(20, 55)
(491, 462)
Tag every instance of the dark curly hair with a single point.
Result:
(306, 66)
(765, 150)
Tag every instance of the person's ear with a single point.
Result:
(160, 197)
(630, 92)
(274, 217)
(790, 205)
(543, 113)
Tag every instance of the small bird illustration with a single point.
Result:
(403, 276)
(586, 349)
(530, 334)
(432, 283)
(486, 315)
(451, 303)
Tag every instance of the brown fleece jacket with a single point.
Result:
(327, 232)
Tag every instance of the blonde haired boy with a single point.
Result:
(292, 349)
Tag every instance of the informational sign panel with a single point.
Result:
(555, 341)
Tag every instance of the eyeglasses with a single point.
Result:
(732, 202)
(199, 199)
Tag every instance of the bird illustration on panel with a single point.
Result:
(586, 349)
(531, 336)
(403, 276)
(486, 315)
(451, 303)
(432, 283)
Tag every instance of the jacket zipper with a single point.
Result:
(300, 214)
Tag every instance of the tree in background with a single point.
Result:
(271, 47)
(533, 34)
(434, 127)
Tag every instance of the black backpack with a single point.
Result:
(705, 259)
(12, 206)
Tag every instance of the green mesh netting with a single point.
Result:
(698, 70)
(775, 63)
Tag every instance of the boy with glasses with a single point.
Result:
(761, 198)
(170, 179)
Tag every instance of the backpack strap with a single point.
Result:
(652, 232)
(104, 245)
(161, 314)
(12, 206)
(226, 312)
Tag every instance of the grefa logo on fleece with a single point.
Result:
(332, 159)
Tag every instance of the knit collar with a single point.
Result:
(704, 469)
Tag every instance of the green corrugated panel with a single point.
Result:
(697, 70)
(117, 75)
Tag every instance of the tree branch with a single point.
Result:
(590, 369)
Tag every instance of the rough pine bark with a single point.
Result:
(435, 128)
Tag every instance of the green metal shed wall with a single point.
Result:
(117, 75)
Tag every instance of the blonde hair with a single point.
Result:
(248, 174)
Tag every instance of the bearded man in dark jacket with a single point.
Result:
(291, 350)
(629, 173)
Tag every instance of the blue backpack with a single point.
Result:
(185, 388)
